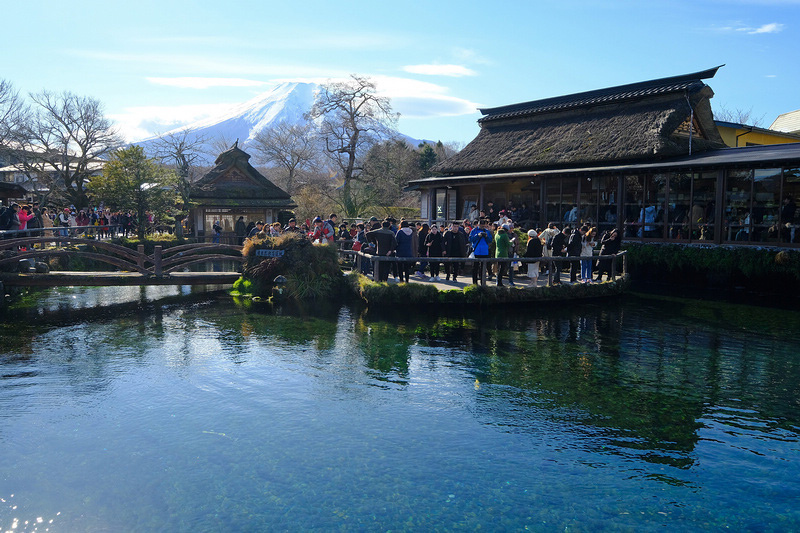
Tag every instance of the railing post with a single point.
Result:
(625, 264)
(483, 273)
(140, 259)
(550, 265)
(157, 261)
(613, 268)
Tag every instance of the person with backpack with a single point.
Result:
(6, 215)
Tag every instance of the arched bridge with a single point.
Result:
(163, 267)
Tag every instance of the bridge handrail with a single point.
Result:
(5, 232)
(115, 248)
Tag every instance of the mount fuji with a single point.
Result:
(288, 102)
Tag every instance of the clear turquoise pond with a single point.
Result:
(129, 410)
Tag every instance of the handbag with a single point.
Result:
(357, 246)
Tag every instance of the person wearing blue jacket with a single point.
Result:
(479, 237)
(405, 248)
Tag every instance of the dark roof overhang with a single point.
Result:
(752, 156)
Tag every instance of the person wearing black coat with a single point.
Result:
(558, 243)
(454, 243)
(574, 250)
(534, 249)
(610, 244)
(433, 248)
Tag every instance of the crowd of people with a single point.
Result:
(44, 221)
(422, 244)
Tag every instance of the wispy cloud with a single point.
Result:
(205, 83)
(455, 71)
(419, 99)
(773, 27)
(738, 27)
(137, 123)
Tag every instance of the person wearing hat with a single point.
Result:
(256, 230)
(534, 249)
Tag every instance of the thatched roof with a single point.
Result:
(234, 182)
(647, 120)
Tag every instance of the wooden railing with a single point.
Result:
(549, 262)
(161, 262)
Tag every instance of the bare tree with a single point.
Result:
(290, 147)
(739, 116)
(182, 151)
(353, 118)
(12, 109)
(63, 141)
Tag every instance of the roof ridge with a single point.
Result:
(608, 94)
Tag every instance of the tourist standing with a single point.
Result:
(454, 244)
(587, 249)
(240, 228)
(385, 244)
(405, 249)
(479, 238)
(534, 249)
(433, 245)
(609, 245)
(558, 249)
(502, 246)
(574, 245)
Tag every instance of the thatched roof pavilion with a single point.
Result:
(646, 120)
(233, 188)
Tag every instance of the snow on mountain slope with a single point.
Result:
(288, 102)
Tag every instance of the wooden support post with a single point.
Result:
(614, 268)
(157, 261)
(550, 265)
(140, 259)
(483, 273)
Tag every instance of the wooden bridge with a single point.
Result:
(164, 267)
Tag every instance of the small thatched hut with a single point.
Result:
(231, 189)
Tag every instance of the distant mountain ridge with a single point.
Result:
(288, 102)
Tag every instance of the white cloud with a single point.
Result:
(739, 27)
(773, 27)
(137, 123)
(205, 83)
(440, 70)
(419, 99)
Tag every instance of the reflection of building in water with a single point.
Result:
(645, 158)
(231, 189)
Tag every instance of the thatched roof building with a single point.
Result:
(233, 188)
(645, 158)
(647, 120)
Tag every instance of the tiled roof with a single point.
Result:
(600, 96)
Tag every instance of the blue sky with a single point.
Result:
(155, 65)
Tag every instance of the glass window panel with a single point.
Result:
(790, 219)
(652, 213)
(634, 200)
(588, 201)
(738, 193)
(704, 192)
(765, 215)
(553, 200)
(441, 204)
(569, 202)
(607, 192)
(680, 193)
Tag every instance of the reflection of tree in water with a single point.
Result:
(643, 372)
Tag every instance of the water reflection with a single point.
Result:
(682, 394)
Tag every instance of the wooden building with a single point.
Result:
(231, 189)
(646, 158)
